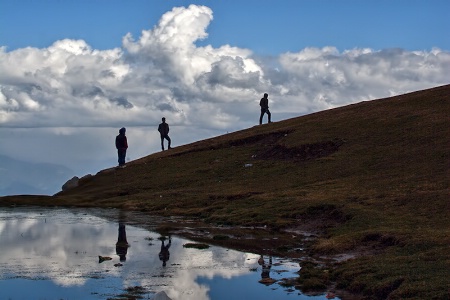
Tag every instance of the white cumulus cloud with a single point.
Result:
(201, 90)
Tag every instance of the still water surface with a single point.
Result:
(52, 253)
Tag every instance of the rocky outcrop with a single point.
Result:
(86, 177)
(75, 181)
(70, 184)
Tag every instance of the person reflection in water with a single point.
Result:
(265, 270)
(122, 244)
(164, 254)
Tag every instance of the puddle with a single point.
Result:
(53, 253)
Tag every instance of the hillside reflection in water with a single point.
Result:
(54, 254)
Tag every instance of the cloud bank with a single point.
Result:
(200, 90)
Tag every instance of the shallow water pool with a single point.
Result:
(53, 253)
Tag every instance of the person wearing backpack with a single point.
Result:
(122, 146)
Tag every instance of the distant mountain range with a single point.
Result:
(19, 177)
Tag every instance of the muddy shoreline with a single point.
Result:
(290, 243)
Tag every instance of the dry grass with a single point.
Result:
(370, 177)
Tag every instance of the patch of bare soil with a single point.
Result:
(304, 152)
(266, 138)
(269, 138)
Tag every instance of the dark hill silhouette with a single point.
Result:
(368, 178)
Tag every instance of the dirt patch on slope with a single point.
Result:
(303, 152)
(265, 138)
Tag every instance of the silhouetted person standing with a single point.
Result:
(122, 146)
(163, 129)
(264, 103)
(164, 254)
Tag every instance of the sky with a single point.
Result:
(73, 72)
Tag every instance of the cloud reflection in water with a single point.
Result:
(58, 249)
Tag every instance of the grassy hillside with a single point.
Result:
(372, 178)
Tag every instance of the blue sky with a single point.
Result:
(72, 72)
(267, 27)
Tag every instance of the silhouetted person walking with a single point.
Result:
(122, 146)
(264, 103)
(163, 129)
(164, 254)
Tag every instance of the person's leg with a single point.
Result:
(169, 141)
(261, 116)
(121, 154)
(162, 143)
(269, 115)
